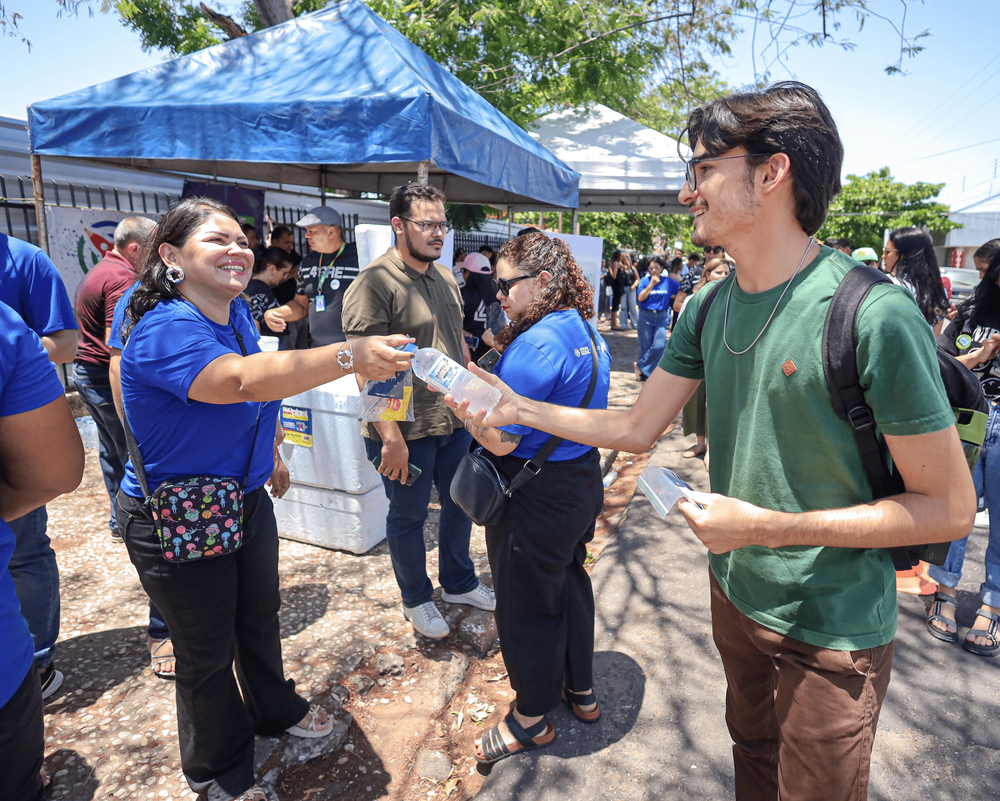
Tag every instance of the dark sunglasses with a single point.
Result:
(715, 249)
(502, 285)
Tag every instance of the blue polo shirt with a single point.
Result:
(551, 362)
(179, 437)
(27, 382)
(661, 295)
(31, 285)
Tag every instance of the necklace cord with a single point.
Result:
(725, 320)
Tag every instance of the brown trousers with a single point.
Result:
(802, 718)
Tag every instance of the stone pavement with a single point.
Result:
(663, 734)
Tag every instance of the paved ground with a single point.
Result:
(411, 708)
(663, 733)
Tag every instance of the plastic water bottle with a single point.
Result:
(447, 375)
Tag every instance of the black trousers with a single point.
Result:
(22, 742)
(545, 602)
(220, 610)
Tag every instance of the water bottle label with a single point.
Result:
(444, 372)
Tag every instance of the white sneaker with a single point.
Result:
(982, 519)
(481, 597)
(427, 620)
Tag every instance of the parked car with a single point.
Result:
(963, 282)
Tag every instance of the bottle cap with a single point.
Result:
(410, 348)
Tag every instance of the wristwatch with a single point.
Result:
(345, 357)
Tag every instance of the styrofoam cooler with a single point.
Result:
(336, 499)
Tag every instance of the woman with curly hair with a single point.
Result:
(909, 259)
(545, 603)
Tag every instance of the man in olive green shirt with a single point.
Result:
(407, 292)
(803, 591)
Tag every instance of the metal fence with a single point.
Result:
(471, 242)
(18, 220)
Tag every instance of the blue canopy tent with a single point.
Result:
(337, 98)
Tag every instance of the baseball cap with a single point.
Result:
(477, 263)
(864, 254)
(321, 215)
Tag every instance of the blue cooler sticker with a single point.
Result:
(297, 425)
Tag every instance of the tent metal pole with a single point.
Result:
(39, 193)
(422, 171)
(510, 222)
(576, 222)
(322, 187)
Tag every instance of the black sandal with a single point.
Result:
(991, 632)
(935, 616)
(495, 749)
(575, 700)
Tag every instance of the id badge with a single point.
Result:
(320, 303)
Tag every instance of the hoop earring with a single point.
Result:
(175, 274)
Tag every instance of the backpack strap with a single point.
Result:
(699, 323)
(840, 366)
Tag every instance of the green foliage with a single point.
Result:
(178, 28)
(528, 57)
(871, 203)
(465, 217)
(643, 233)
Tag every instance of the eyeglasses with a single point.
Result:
(502, 285)
(428, 226)
(715, 249)
(691, 175)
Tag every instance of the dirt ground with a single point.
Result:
(410, 707)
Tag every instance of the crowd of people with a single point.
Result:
(165, 340)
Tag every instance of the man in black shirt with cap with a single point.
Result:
(324, 277)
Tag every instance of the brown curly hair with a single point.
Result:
(568, 289)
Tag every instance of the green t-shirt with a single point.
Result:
(777, 443)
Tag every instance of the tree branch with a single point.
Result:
(638, 24)
(223, 22)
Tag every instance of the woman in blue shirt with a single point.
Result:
(198, 407)
(656, 296)
(545, 604)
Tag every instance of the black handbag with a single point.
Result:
(480, 490)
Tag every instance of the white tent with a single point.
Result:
(623, 166)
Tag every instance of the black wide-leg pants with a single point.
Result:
(221, 611)
(545, 602)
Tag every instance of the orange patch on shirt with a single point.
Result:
(788, 367)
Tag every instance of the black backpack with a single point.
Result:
(841, 369)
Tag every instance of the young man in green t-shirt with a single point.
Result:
(803, 590)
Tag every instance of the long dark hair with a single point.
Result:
(174, 228)
(568, 289)
(986, 299)
(918, 267)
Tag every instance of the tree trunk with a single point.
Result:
(272, 12)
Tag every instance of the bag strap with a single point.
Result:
(534, 464)
(840, 366)
(699, 323)
(133, 446)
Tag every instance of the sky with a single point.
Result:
(949, 100)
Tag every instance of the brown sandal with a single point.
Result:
(577, 700)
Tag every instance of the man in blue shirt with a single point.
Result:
(33, 288)
(41, 457)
